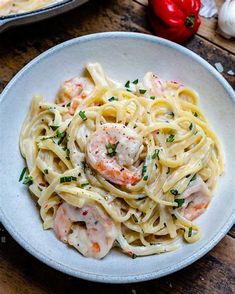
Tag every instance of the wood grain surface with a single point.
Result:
(22, 273)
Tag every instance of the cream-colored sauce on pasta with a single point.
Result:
(180, 157)
(8, 7)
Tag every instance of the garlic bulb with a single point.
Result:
(226, 19)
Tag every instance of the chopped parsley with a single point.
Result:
(47, 138)
(190, 126)
(60, 136)
(180, 202)
(39, 188)
(45, 171)
(152, 97)
(111, 149)
(195, 114)
(193, 178)
(168, 171)
(135, 218)
(156, 154)
(174, 192)
(190, 230)
(82, 114)
(171, 138)
(135, 82)
(83, 185)
(67, 153)
(28, 180)
(22, 173)
(133, 256)
(68, 104)
(112, 98)
(67, 179)
(171, 113)
(127, 84)
(54, 128)
(142, 91)
(145, 178)
(144, 169)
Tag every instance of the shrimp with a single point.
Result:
(112, 150)
(153, 85)
(88, 229)
(197, 198)
(74, 91)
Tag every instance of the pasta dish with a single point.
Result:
(120, 165)
(20, 6)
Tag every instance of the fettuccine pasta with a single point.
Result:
(128, 166)
(8, 7)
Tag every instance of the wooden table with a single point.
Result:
(22, 273)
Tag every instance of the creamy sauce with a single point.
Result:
(8, 7)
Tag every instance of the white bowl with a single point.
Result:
(124, 56)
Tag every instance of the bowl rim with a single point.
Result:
(99, 277)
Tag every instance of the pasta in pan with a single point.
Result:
(8, 7)
(128, 166)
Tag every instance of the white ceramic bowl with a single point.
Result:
(124, 56)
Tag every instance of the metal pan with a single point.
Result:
(13, 20)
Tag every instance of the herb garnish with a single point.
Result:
(111, 149)
(67, 179)
(54, 128)
(133, 256)
(171, 138)
(152, 97)
(28, 180)
(84, 184)
(135, 218)
(68, 104)
(61, 136)
(144, 169)
(82, 114)
(195, 114)
(67, 153)
(45, 171)
(174, 192)
(193, 178)
(22, 174)
(190, 126)
(145, 178)
(135, 82)
(142, 91)
(180, 202)
(127, 84)
(112, 98)
(156, 154)
(168, 170)
(171, 113)
(190, 230)
(40, 189)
